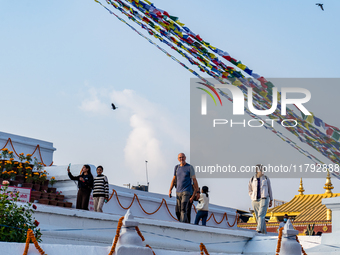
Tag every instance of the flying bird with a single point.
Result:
(114, 107)
(321, 6)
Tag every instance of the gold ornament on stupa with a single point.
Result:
(301, 189)
(328, 185)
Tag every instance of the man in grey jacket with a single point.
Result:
(260, 192)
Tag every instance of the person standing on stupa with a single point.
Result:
(260, 192)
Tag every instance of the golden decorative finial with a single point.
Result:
(328, 186)
(301, 190)
(329, 214)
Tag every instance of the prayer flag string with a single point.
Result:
(327, 144)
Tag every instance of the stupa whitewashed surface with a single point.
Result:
(72, 231)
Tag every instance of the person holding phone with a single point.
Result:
(85, 186)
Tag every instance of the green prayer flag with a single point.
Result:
(336, 135)
(269, 84)
(234, 62)
(173, 18)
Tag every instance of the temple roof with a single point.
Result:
(318, 213)
(305, 207)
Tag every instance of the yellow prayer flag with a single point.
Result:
(264, 94)
(148, 2)
(177, 32)
(180, 23)
(314, 140)
(241, 66)
(278, 97)
(212, 55)
(237, 83)
(310, 118)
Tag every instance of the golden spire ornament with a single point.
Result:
(301, 189)
(328, 186)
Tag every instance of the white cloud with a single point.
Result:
(94, 104)
(156, 136)
(143, 144)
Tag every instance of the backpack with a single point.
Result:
(175, 182)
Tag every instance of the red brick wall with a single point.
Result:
(301, 226)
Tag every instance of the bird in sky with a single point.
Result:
(114, 107)
(321, 5)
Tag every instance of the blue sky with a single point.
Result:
(62, 64)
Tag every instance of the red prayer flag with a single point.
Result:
(329, 131)
(262, 80)
(146, 19)
(329, 126)
(227, 58)
(198, 37)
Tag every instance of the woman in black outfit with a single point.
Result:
(85, 186)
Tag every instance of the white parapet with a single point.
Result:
(79, 227)
(330, 244)
(58, 249)
(334, 205)
(26, 145)
(78, 232)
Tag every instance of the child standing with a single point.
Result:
(100, 190)
(203, 207)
